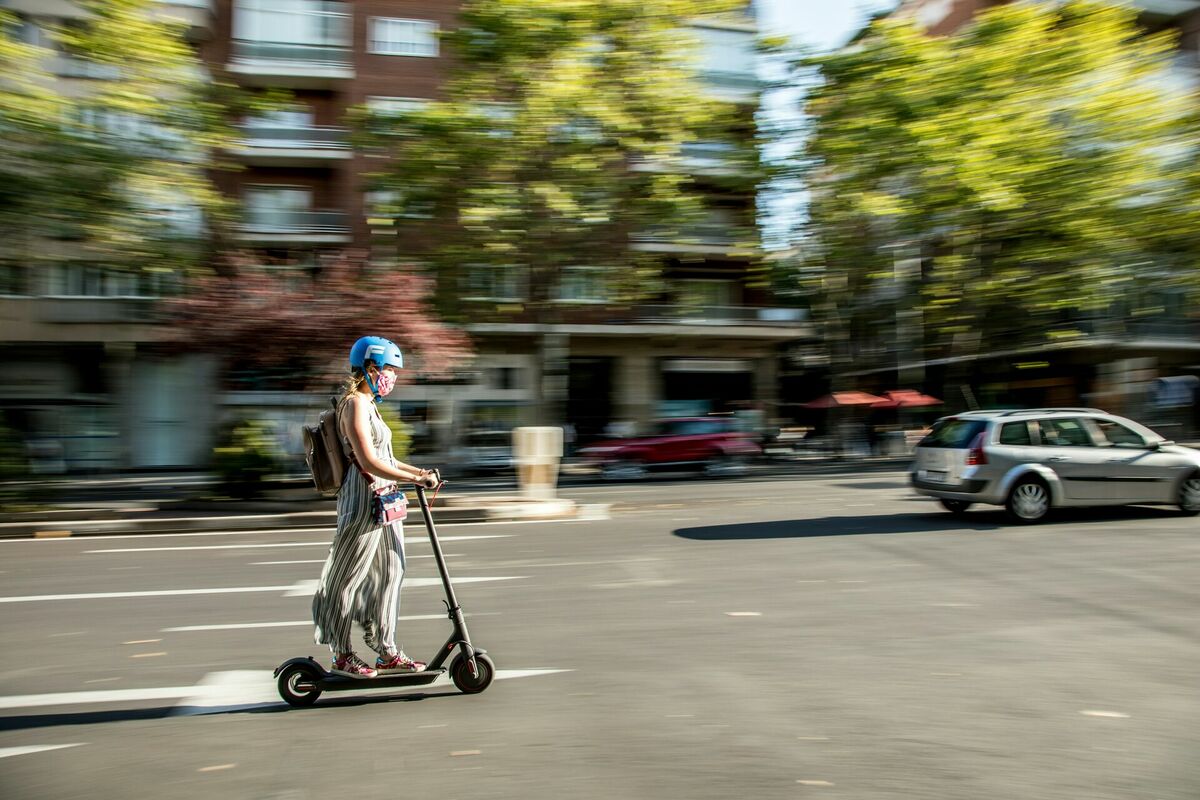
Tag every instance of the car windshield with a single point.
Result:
(954, 433)
(691, 427)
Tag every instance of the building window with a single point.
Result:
(94, 280)
(403, 37)
(276, 206)
(297, 22)
(384, 106)
(583, 285)
(503, 283)
(704, 293)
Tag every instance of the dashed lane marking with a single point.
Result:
(6, 752)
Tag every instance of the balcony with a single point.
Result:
(719, 315)
(198, 15)
(1166, 8)
(707, 238)
(303, 45)
(292, 145)
(272, 226)
(704, 158)
(65, 66)
(728, 62)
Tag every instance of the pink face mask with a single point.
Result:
(385, 383)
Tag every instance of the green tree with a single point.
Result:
(1005, 183)
(116, 175)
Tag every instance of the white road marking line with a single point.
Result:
(237, 626)
(298, 589)
(37, 598)
(1110, 714)
(216, 767)
(96, 696)
(230, 690)
(235, 690)
(324, 543)
(306, 588)
(5, 752)
(954, 605)
(743, 613)
(814, 783)
(142, 641)
(147, 655)
(322, 560)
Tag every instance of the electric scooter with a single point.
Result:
(302, 680)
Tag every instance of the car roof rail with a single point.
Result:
(1014, 412)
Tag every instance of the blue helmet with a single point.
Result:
(381, 352)
(378, 351)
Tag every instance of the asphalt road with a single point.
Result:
(826, 637)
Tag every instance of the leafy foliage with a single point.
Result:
(530, 159)
(112, 170)
(278, 331)
(1039, 168)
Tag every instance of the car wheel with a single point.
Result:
(722, 465)
(1189, 495)
(1028, 501)
(955, 507)
(624, 470)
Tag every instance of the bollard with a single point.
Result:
(537, 452)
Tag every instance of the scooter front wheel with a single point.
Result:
(460, 673)
(298, 685)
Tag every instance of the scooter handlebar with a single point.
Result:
(433, 480)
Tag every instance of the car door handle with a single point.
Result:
(1057, 458)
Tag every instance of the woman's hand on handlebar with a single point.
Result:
(429, 478)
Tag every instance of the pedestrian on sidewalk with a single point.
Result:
(365, 568)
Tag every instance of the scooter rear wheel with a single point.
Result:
(298, 686)
(460, 673)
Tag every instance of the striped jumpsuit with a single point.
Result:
(362, 575)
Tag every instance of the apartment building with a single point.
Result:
(710, 342)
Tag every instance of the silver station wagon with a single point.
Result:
(1033, 460)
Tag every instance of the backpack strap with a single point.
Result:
(347, 448)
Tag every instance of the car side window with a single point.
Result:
(1015, 433)
(1120, 436)
(1064, 433)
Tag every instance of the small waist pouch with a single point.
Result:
(389, 505)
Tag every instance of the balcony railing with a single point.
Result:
(300, 137)
(719, 315)
(1169, 8)
(71, 67)
(283, 221)
(325, 55)
(714, 234)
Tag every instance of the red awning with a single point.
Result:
(906, 398)
(841, 399)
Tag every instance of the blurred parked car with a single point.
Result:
(484, 451)
(1034, 460)
(714, 443)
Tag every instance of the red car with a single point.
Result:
(715, 443)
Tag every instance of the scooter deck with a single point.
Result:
(331, 682)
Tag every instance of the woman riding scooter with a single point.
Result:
(362, 576)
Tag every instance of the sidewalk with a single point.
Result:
(171, 503)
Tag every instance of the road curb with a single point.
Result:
(507, 512)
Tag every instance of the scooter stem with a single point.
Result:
(456, 614)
